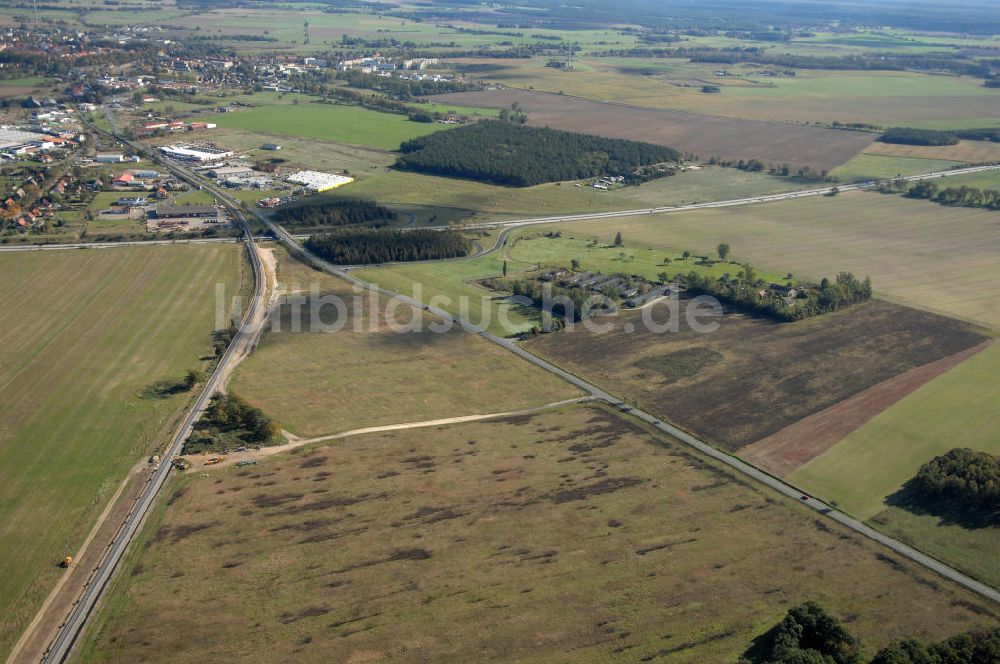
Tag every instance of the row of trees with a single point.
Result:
(336, 212)
(810, 635)
(912, 136)
(366, 246)
(963, 475)
(748, 293)
(511, 154)
(964, 195)
(757, 166)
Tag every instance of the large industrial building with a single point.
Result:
(317, 181)
(195, 153)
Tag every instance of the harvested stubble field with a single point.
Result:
(967, 151)
(922, 254)
(571, 535)
(703, 135)
(751, 377)
(92, 344)
(366, 374)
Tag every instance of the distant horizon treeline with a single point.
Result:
(937, 137)
(357, 245)
(514, 155)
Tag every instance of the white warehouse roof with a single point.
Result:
(317, 181)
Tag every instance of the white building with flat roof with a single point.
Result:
(190, 153)
(317, 181)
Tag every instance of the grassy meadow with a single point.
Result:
(329, 122)
(572, 535)
(90, 334)
(318, 383)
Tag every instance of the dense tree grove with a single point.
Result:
(748, 293)
(401, 88)
(909, 136)
(978, 647)
(962, 474)
(231, 421)
(336, 212)
(510, 154)
(807, 635)
(365, 246)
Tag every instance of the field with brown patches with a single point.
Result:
(969, 151)
(770, 375)
(572, 535)
(366, 374)
(703, 135)
(783, 452)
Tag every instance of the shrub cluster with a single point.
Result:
(962, 474)
(229, 421)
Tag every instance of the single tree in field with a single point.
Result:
(723, 251)
(574, 265)
(618, 239)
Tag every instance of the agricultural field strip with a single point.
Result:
(238, 349)
(771, 198)
(774, 483)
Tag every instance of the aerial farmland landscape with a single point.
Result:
(452, 331)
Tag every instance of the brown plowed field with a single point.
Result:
(793, 446)
(703, 135)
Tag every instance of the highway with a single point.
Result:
(198, 181)
(245, 339)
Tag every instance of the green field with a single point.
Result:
(317, 383)
(484, 202)
(957, 409)
(328, 122)
(450, 286)
(599, 254)
(89, 333)
(572, 535)
(881, 167)
(919, 253)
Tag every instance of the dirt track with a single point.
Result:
(703, 135)
(783, 452)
